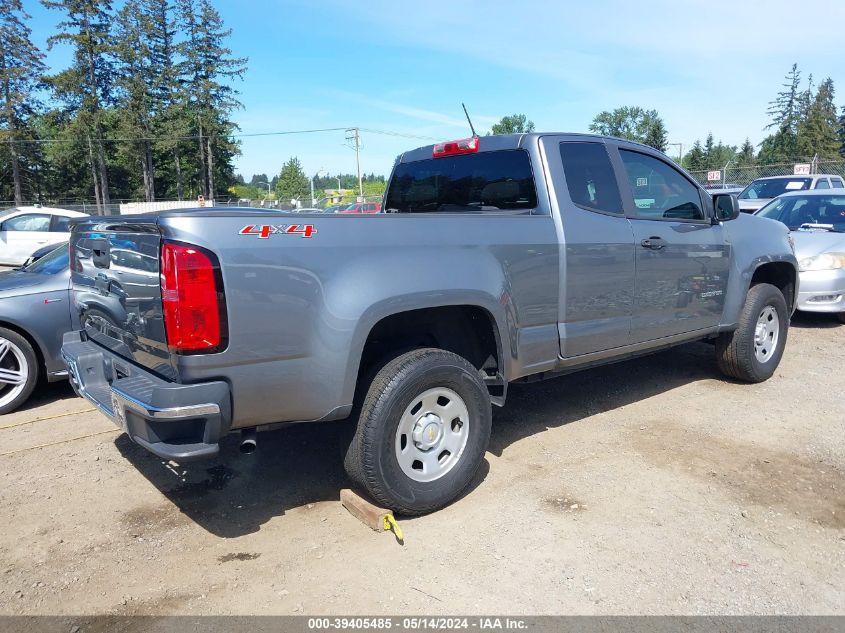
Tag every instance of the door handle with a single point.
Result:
(654, 243)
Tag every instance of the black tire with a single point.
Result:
(735, 351)
(10, 361)
(371, 459)
(841, 316)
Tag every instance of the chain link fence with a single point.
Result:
(731, 176)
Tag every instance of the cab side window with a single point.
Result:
(822, 184)
(837, 183)
(590, 177)
(660, 191)
(28, 222)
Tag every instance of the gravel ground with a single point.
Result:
(646, 487)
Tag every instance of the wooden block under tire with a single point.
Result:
(370, 515)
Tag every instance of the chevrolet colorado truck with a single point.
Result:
(495, 259)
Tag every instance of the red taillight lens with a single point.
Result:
(191, 296)
(453, 148)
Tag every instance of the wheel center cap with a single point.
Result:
(761, 333)
(427, 431)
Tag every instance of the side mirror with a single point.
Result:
(725, 206)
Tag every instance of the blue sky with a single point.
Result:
(405, 67)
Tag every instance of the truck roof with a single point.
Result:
(498, 142)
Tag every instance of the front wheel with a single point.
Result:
(422, 432)
(751, 353)
(18, 370)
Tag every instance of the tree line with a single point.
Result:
(293, 184)
(144, 110)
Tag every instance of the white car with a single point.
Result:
(760, 192)
(23, 230)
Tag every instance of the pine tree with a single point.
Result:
(209, 67)
(708, 150)
(842, 133)
(694, 159)
(745, 157)
(785, 109)
(21, 67)
(293, 183)
(136, 81)
(169, 116)
(817, 131)
(86, 87)
(656, 135)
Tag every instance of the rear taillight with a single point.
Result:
(453, 148)
(192, 299)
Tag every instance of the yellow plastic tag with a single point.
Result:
(390, 524)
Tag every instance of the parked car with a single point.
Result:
(762, 190)
(35, 313)
(816, 221)
(24, 230)
(503, 258)
(361, 208)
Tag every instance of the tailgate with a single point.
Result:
(117, 292)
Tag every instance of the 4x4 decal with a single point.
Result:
(263, 231)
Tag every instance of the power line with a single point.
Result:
(238, 135)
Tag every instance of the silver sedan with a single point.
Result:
(816, 221)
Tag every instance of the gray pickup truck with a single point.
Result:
(496, 259)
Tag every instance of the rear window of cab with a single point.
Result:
(486, 182)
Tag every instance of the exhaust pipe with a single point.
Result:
(248, 441)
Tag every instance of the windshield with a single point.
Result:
(795, 211)
(52, 263)
(765, 189)
(488, 181)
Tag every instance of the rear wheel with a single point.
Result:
(18, 370)
(422, 432)
(752, 352)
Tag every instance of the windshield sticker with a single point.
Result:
(264, 231)
(794, 184)
(642, 182)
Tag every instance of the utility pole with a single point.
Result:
(357, 138)
(680, 151)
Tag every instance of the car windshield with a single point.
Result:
(810, 212)
(765, 189)
(52, 263)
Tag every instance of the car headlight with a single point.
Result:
(825, 261)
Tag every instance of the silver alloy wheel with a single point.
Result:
(766, 334)
(14, 371)
(432, 434)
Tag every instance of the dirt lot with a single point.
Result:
(651, 486)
